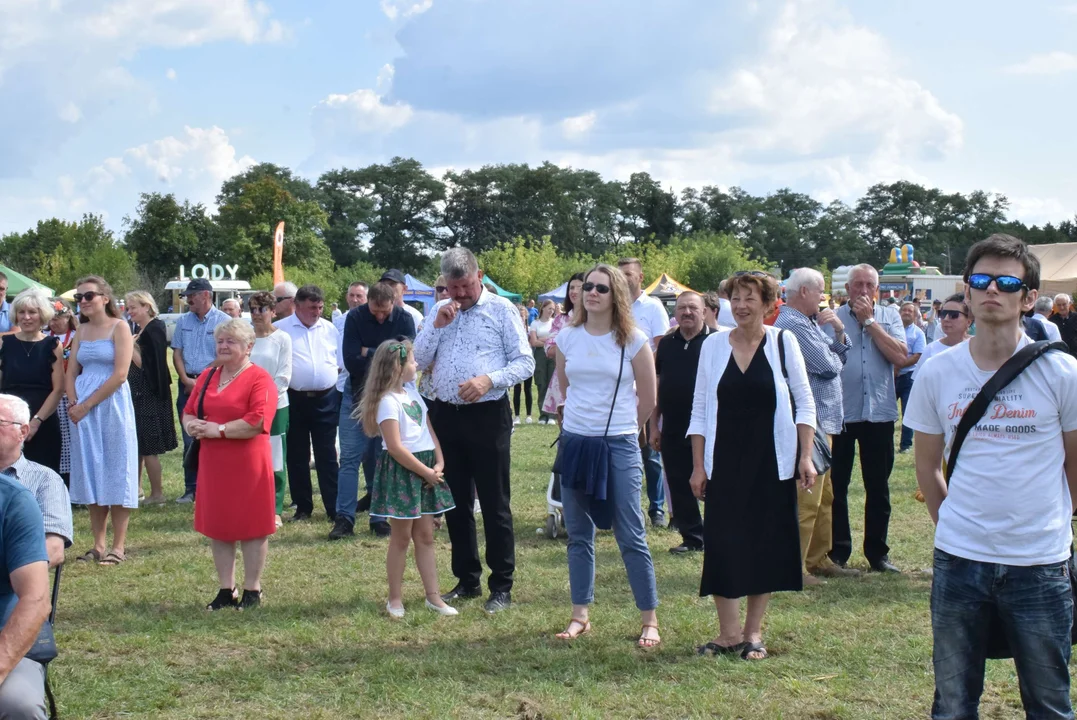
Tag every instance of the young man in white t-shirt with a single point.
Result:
(1003, 533)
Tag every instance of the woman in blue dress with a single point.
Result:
(104, 446)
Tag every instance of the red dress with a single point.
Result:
(236, 497)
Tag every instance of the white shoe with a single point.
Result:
(445, 610)
(476, 508)
(395, 612)
(529, 420)
(516, 420)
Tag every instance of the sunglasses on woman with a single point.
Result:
(88, 296)
(602, 289)
(442, 289)
(951, 314)
(1004, 283)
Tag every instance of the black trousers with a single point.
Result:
(475, 441)
(313, 421)
(677, 460)
(876, 442)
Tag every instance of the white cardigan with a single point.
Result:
(713, 358)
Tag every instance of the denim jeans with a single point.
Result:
(903, 386)
(656, 488)
(625, 479)
(1035, 605)
(356, 450)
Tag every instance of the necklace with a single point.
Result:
(24, 343)
(222, 384)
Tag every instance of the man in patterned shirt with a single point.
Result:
(823, 358)
(482, 350)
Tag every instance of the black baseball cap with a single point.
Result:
(197, 285)
(394, 275)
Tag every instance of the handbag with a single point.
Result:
(998, 646)
(820, 453)
(190, 455)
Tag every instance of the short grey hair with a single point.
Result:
(232, 300)
(238, 328)
(37, 299)
(863, 268)
(804, 277)
(288, 288)
(1063, 296)
(458, 263)
(20, 411)
(1044, 305)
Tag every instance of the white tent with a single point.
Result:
(1058, 267)
(557, 294)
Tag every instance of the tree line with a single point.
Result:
(530, 227)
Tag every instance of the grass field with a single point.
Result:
(136, 642)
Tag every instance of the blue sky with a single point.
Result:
(103, 99)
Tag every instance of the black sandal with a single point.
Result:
(90, 555)
(754, 647)
(713, 649)
(225, 598)
(251, 599)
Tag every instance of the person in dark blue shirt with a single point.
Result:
(365, 327)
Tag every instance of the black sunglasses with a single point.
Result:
(1004, 283)
(602, 289)
(282, 299)
(951, 314)
(441, 289)
(88, 296)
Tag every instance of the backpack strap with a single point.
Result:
(998, 382)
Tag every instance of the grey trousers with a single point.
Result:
(22, 695)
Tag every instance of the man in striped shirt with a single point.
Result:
(824, 358)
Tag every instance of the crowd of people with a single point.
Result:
(752, 403)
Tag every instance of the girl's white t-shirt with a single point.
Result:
(591, 364)
(932, 349)
(542, 328)
(409, 411)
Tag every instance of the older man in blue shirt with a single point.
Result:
(877, 346)
(193, 351)
(5, 306)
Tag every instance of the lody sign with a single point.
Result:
(211, 272)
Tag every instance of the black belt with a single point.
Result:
(467, 406)
(314, 393)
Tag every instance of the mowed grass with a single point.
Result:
(136, 642)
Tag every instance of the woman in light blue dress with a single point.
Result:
(104, 445)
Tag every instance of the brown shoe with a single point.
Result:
(812, 581)
(830, 570)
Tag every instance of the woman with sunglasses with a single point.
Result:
(33, 369)
(273, 353)
(954, 320)
(151, 391)
(104, 444)
(554, 397)
(63, 325)
(605, 365)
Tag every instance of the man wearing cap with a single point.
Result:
(284, 293)
(397, 278)
(193, 351)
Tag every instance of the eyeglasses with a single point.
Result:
(951, 314)
(1004, 283)
(10, 422)
(88, 296)
(255, 309)
(282, 299)
(602, 289)
(441, 289)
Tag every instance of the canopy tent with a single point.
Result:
(515, 297)
(558, 294)
(17, 282)
(1058, 267)
(418, 291)
(666, 288)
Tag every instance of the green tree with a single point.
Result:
(164, 234)
(647, 211)
(346, 212)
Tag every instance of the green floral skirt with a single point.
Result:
(401, 494)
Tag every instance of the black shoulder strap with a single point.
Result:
(998, 382)
(202, 395)
(616, 388)
(781, 354)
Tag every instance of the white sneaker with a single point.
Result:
(529, 420)
(516, 420)
(477, 508)
(396, 612)
(444, 610)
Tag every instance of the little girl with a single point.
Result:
(408, 487)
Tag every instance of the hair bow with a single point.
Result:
(402, 349)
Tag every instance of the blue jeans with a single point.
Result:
(656, 489)
(356, 450)
(903, 385)
(623, 493)
(1035, 605)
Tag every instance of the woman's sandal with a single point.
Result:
(567, 634)
(754, 647)
(90, 555)
(646, 643)
(713, 649)
(112, 559)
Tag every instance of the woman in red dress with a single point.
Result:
(235, 500)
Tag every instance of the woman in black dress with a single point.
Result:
(744, 431)
(151, 391)
(32, 368)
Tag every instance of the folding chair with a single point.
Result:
(52, 621)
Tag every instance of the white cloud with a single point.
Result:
(170, 74)
(404, 9)
(361, 112)
(181, 23)
(1034, 210)
(202, 155)
(1052, 63)
(575, 128)
(70, 113)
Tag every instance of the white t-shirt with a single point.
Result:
(651, 317)
(1053, 333)
(932, 349)
(591, 367)
(725, 314)
(542, 328)
(1008, 500)
(409, 411)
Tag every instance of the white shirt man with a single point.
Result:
(1041, 312)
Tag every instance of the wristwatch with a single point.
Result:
(220, 429)
(38, 418)
(868, 323)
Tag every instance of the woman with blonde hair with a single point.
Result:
(63, 325)
(32, 368)
(606, 368)
(537, 335)
(151, 390)
(104, 445)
